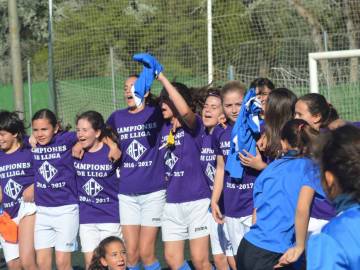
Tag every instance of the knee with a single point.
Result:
(63, 264)
(43, 262)
(220, 262)
(13, 264)
(201, 262)
(28, 263)
(132, 256)
(147, 255)
(174, 261)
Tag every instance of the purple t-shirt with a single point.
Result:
(208, 164)
(97, 181)
(186, 179)
(141, 165)
(16, 174)
(55, 183)
(238, 197)
(322, 208)
(208, 159)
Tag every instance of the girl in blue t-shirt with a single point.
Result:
(285, 187)
(337, 245)
(17, 191)
(314, 109)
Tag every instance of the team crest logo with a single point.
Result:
(92, 188)
(135, 150)
(12, 189)
(170, 159)
(210, 171)
(47, 171)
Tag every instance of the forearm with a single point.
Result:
(302, 215)
(218, 180)
(253, 218)
(301, 227)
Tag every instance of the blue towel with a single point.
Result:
(243, 134)
(151, 69)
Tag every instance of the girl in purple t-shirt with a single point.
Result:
(237, 196)
(57, 217)
(186, 209)
(97, 183)
(212, 114)
(142, 186)
(16, 180)
(314, 109)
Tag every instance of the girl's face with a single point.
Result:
(232, 103)
(212, 111)
(302, 112)
(87, 135)
(166, 111)
(127, 92)
(43, 131)
(115, 257)
(8, 141)
(263, 95)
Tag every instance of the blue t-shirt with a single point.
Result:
(337, 246)
(276, 193)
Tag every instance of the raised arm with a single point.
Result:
(185, 112)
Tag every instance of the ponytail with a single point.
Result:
(300, 135)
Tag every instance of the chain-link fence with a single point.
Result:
(250, 39)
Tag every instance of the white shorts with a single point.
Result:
(144, 210)
(315, 225)
(92, 234)
(11, 251)
(57, 227)
(219, 238)
(188, 220)
(237, 227)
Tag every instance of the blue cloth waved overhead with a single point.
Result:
(246, 128)
(151, 70)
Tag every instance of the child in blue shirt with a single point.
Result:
(337, 245)
(283, 189)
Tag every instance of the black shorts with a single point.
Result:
(250, 257)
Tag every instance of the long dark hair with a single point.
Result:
(280, 109)
(100, 252)
(317, 105)
(339, 153)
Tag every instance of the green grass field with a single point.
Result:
(75, 96)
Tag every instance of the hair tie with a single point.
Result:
(300, 127)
